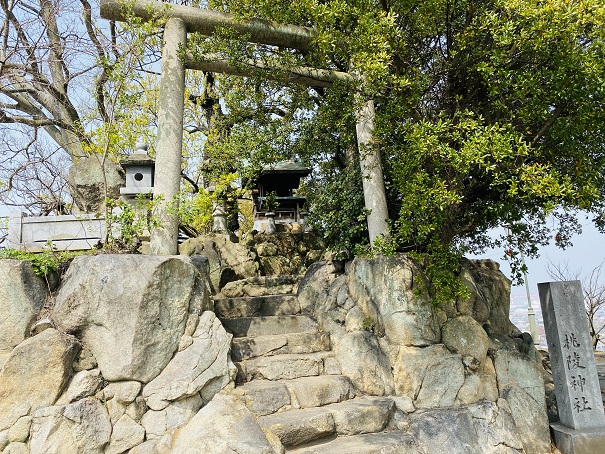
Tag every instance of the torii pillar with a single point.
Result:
(169, 144)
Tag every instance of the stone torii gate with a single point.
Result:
(184, 19)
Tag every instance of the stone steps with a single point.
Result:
(286, 304)
(251, 347)
(285, 367)
(264, 397)
(395, 442)
(269, 325)
(352, 417)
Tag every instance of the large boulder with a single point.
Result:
(228, 261)
(223, 426)
(79, 427)
(521, 383)
(35, 374)
(205, 363)
(22, 295)
(92, 180)
(466, 336)
(128, 310)
(384, 287)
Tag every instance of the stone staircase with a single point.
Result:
(290, 380)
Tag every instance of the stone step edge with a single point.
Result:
(282, 344)
(250, 367)
(282, 394)
(328, 413)
(237, 325)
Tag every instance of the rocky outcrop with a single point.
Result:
(22, 295)
(354, 362)
(35, 374)
(126, 312)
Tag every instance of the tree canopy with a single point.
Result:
(488, 113)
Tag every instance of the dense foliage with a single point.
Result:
(489, 113)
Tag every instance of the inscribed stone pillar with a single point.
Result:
(170, 139)
(371, 171)
(582, 421)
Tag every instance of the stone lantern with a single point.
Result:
(139, 169)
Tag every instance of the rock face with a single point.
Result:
(226, 426)
(206, 362)
(126, 311)
(22, 295)
(35, 374)
(87, 178)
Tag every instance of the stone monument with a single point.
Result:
(581, 429)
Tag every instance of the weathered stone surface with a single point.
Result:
(321, 390)
(379, 443)
(466, 336)
(282, 367)
(16, 448)
(363, 361)
(22, 295)
(520, 382)
(88, 178)
(84, 384)
(274, 266)
(206, 361)
(35, 374)
(223, 255)
(313, 288)
(361, 415)
(259, 306)
(264, 397)
(79, 427)
(251, 347)
(124, 392)
(129, 310)
(126, 433)
(261, 286)
(270, 325)
(224, 425)
(175, 415)
(298, 427)
(489, 301)
(19, 433)
(432, 376)
(383, 289)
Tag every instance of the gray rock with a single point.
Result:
(441, 384)
(88, 178)
(226, 426)
(79, 427)
(22, 295)
(264, 397)
(464, 335)
(19, 433)
(411, 366)
(175, 415)
(521, 383)
(282, 367)
(129, 310)
(205, 362)
(137, 409)
(297, 427)
(16, 448)
(361, 415)
(383, 289)
(126, 434)
(379, 443)
(124, 392)
(363, 361)
(84, 384)
(321, 390)
(35, 374)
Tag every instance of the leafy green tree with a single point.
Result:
(487, 112)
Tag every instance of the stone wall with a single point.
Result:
(392, 341)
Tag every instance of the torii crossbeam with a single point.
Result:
(185, 19)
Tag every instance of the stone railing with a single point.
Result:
(64, 233)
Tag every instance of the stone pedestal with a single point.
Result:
(586, 441)
(582, 420)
